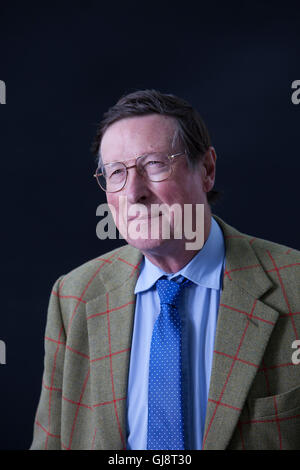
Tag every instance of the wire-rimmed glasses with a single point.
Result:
(155, 167)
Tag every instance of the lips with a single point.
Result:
(129, 219)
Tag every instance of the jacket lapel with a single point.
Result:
(110, 322)
(244, 326)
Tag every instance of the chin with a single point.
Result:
(143, 240)
(146, 244)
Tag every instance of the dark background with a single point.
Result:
(64, 64)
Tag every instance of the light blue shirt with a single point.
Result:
(199, 311)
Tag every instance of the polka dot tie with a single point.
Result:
(165, 407)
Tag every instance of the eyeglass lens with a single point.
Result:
(112, 176)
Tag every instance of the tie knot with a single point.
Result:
(169, 291)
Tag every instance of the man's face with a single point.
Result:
(131, 137)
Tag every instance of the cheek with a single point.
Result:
(119, 207)
(173, 193)
(166, 191)
(113, 203)
(112, 200)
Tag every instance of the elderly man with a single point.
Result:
(163, 344)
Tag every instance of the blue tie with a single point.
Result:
(165, 407)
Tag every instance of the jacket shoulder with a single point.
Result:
(86, 278)
(266, 247)
(262, 248)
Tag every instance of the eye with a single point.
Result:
(115, 173)
(154, 162)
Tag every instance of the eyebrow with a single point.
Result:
(134, 158)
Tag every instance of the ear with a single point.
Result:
(209, 169)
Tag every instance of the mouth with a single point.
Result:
(149, 217)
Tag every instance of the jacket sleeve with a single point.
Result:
(47, 424)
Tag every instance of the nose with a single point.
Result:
(136, 188)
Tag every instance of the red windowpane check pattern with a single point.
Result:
(277, 266)
(261, 368)
(133, 271)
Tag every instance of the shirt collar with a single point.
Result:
(205, 269)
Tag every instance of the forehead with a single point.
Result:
(137, 135)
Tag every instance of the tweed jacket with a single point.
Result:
(254, 395)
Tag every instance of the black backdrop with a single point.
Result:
(63, 65)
